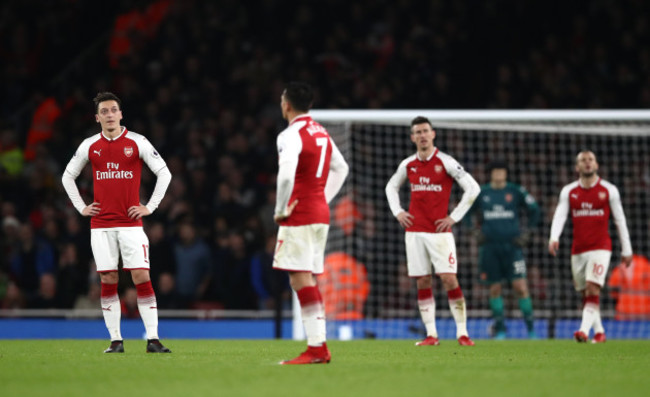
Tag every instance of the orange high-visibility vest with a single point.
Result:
(632, 289)
(344, 286)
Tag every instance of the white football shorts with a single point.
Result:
(131, 242)
(424, 250)
(590, 266)
(301, 248)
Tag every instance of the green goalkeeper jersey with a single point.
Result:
(499, 211)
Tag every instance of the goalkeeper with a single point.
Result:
(501, 240)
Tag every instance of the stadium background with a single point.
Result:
(202, 81)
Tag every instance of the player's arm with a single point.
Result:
(289, 148)
(468, 218)
(157, 165)
(559, 219)
(471, 190)
(392, 194)
(532, 208)
(534, 215)
(338, 172)
(621, 225)
(72, 171)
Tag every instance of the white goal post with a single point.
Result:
(540, 148)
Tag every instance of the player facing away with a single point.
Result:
(590, 200)
(501, 239)
(429, 240)
(311, 172)
(116, 156)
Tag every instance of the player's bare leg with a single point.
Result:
(496, 305)
(520, 288)
(148, 308)
(313, 319)
(457, 306)
(427, 307)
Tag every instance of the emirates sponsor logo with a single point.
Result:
(113, 172)
(425, 186)
(588, 212)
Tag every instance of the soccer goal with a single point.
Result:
(367, 291)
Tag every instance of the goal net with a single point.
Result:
(366, 290)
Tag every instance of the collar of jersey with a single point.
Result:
(435, 150)
(585, 187)
(297, 118)
(117, 137)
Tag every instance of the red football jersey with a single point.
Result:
(310, 142)
(431, 181)
(117, 166)
(590, 209)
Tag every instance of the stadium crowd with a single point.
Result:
(202, 80)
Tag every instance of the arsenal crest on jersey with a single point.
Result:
(508, 197)
(602, 195)
(128, 151)
(438, 168)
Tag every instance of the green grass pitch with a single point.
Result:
(358, 368)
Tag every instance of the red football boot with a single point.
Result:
(428, 341)
(313, 355)
(599, 338)
(580, 337)
(465, 341)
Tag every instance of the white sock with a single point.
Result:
(148, 308)
(598, 323)
(111, 310)
(458, 310)
(589, 313)
(427, 306)
(313, 315)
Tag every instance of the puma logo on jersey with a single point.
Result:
(108, 308)
(414, 169)
(575, 196)
(99, 152)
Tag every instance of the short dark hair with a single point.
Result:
(300, 95)
(497, 165)
(420, 120)
(106, 96)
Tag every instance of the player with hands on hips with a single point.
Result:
(429, 240)
(116, 155)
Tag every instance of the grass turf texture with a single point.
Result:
(358, 368)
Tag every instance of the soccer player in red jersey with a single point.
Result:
(591, 200)
(311, 172)
(429, 240)
(116, 156)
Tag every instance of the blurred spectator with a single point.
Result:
(71, 277)
(271, 286)
(193, 265)
(163, 268)
(11, 155)
(234, 264)
(33, 271)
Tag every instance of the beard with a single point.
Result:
(589, 174)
